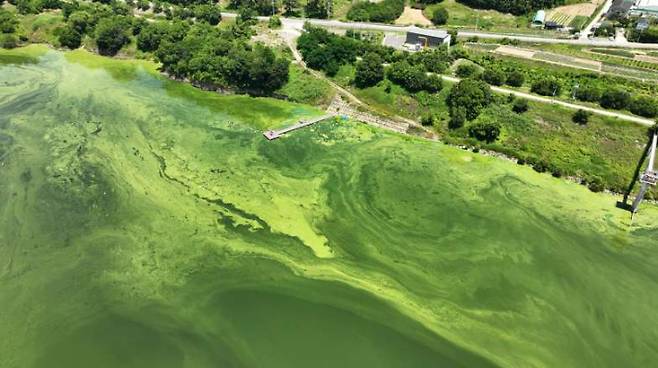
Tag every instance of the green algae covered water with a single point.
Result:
(144, 223)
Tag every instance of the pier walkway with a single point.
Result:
(274, 134)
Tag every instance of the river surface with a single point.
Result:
(144, 223)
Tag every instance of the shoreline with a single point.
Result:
(435, 138)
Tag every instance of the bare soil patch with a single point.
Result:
(413, 16)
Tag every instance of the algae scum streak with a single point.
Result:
(148, 224)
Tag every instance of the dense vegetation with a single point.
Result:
(385, 11)
(609, 91)
(187, 43)
(516, 7)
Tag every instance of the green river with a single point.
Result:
(145, 223)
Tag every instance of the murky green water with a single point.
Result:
(146, 224)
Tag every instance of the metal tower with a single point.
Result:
(649, 177)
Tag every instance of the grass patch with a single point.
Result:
(462, 16)
(615, 52)
(578, 22)
(606, 148)
(303, 87)
(40, 28)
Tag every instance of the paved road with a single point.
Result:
(588, 29)
(553, 101)
(298, 23)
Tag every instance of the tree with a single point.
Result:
(546, 87)
(111, 35)
(316, 9)
(467, 98)
(440, 16)
(520, 105)
(615, 99)
(411, 78)
(495, 77)
(644, 106)
(69, 37)
(369, 71)
(208, 13)
(580, 117)
(290, 7)
(81, 21)
(515, 79)
(486, 131)
(466, 70)
(453, 36)
(8, 21)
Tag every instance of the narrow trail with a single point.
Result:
(553, 101)
(396, 123)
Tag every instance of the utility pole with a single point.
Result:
(650, 176)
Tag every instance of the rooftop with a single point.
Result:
(428, 32)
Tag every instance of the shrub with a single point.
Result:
(69, 37)
(515, 79)
(520, 105)
(8, 21)
(595, 184)
(465, 70)
(644, 106)
(8, 41)
(588, 93)
(546, 87)
(274, 22)
(580, 117)
(427, 119)
(495, 77)
(486, 131)
(440, 16)
(615, 99)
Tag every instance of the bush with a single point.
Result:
(581, 117)
(8, 41)
(515, 79)
(615, 99)
(644, 106)
(495, 77)
(427, 119)
(440, 16)
(595, 184)
(588, 93)
(466, 70)
(486, 131)
(520, 105)
(546, 87)
(69, 37)
(274, 22)
(8, 21)
(369, 71)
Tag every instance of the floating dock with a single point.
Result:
(274, 134)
